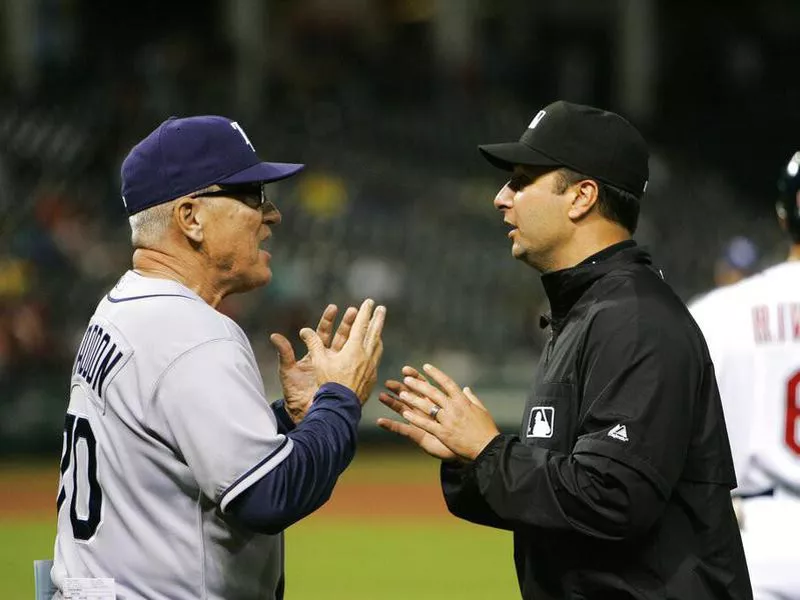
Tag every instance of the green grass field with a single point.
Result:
(332, 558)
(340, 560)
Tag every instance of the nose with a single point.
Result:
(504, 198)
(272, 216)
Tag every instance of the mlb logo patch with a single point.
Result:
(540, 422)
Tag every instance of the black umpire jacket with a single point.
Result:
(618, 484)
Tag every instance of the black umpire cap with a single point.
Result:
(595, 142)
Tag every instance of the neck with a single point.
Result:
(156, 263)
(590, 243)
(794, 252)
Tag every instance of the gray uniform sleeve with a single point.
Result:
(210, 403)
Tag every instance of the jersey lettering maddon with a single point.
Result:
(167, 423)
(753, 333)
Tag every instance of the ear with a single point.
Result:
(585, 197)
(189, 216)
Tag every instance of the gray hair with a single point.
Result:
(149, 227)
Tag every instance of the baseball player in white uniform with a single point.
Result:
(753, 332)
(177, 475)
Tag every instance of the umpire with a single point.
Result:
(618, 482)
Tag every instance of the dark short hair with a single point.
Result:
(614, 203)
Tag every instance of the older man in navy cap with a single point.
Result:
(177, 476)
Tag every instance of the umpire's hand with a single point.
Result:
(420, 437)
(443, 419)
(355, 365)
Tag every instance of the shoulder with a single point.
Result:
(718, 297)
(637, 293)
(165, 319)
(722, 304)
(707, 308)
(638, 307)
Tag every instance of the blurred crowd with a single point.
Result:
(395, 204)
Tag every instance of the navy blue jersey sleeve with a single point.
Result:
(285, 423)
(324, 444)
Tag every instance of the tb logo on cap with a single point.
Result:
(238, 128)
(539, 116)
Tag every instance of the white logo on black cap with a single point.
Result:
(539, 116)
(238, 128)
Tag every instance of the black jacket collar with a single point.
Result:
(565, 287)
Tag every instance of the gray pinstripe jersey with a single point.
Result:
(167, 423)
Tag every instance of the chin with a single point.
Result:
(518, 252)
(262, 278)
(527, 256)
(254, 280)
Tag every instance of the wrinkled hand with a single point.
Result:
(298, 380)
(420, 437)
(462, 425)
(355, 364)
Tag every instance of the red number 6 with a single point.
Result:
(793, 414)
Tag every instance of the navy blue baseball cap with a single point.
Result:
(183, 155)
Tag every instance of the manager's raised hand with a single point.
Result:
(298, 377)
(355, 364)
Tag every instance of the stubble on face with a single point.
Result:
(541, 220)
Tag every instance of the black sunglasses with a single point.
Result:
(251, 195)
